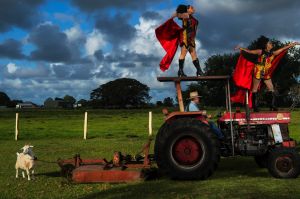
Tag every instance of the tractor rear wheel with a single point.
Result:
(284, 163)
(187, 149)
(158, 144)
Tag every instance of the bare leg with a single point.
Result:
(17, 173)
(255, 84)
(181, 61)
(23, 174)
(193, 53)
(183, 52)
(269, 85)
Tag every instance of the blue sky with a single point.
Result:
(70, 47)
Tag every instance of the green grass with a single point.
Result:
(58, 133)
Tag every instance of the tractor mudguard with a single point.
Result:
(200, 115)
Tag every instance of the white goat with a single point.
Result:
(25, 161)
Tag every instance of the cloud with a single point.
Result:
(91, 5)
(74, 33)
(12, 84)
(99, 55)
(76, 41)
(95, 41)
(26, 89)
(139, 58)
(22, 14)
(117, 40)
(65, 17)
(224, 24)
(151, 15)
(51, 43)
(11, 67)
(127, 58)
(145, 41)
(73, 71)
(14, 71)
(52, 80)
(116, 29)
(11, 49)
(241, 6)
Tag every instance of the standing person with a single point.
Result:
(194, 106)
(187, 37)
(171, 35)
(263, 68)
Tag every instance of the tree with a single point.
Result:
(58, 99)
(169, 102)
(121, 93)
(214, 91)
(159, 103)
(13, 103)
(4, 99)
(83, 102)
(69, 99)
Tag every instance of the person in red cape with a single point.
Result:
(248, 74)
(170, 35)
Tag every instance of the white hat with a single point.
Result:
(194, 94)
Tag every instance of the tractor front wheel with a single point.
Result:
(284, 163)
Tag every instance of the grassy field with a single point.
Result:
(58, 133)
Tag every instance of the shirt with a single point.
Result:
(192, 107)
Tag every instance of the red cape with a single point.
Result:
(168, 34)
(243, 74)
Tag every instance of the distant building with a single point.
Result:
(26, 105)
(77, 105)
(57, 103)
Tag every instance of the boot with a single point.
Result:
(181, 66)
(197, 65)
(255, 102)
(272, 96)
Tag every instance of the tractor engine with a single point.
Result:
(252, 140)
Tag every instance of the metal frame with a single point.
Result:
(230, 114)
(177, 81)
(100, 170)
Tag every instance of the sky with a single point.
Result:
(53, 48)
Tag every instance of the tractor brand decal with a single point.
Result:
(280, 116)
(259, 119)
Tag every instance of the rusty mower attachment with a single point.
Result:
(122, 168)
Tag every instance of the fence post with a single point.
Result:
(150, 123)
(17, 127)
(85, 125)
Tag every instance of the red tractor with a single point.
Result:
(186, 148)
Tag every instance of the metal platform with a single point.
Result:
(192, 78)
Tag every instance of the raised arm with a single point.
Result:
(254, 52)
(180, 15)
(277, 52)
